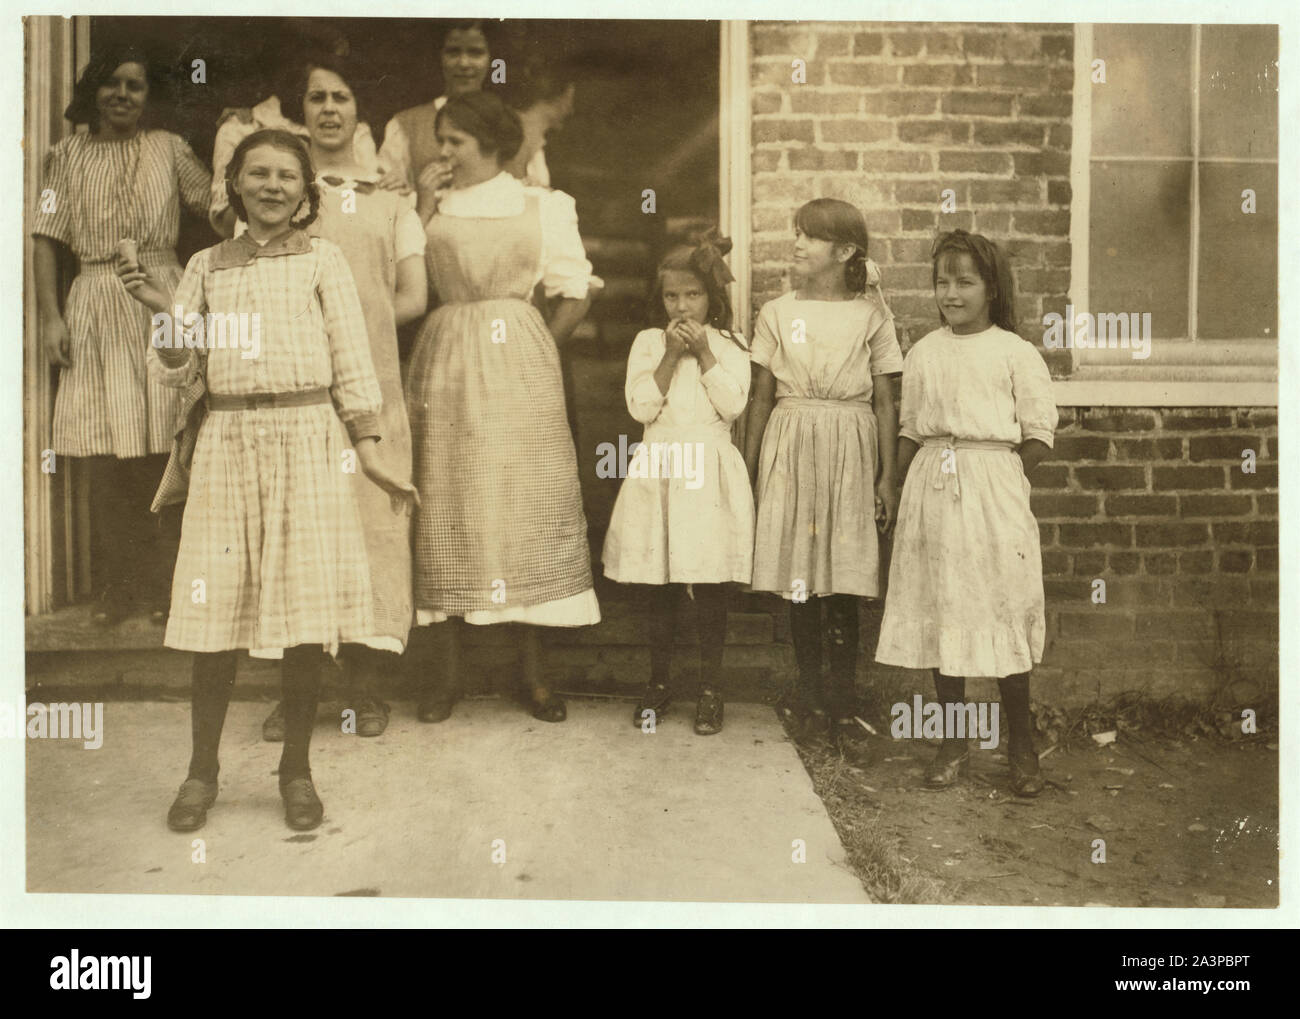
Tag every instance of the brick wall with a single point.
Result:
(892, 114)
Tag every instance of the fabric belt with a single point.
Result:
(811, 401)
(947, 467)
(256, 401)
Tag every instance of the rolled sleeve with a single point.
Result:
(766, 340)
(727, 384)
(174, 366)
(885, 354)
(566, 272)
(1031, 387)
(911, 399)
(193, 180)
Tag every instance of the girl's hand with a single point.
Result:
(402, 494)
(144, 287)
(674, 342)
(694, 336)
(886, 505)
(394, 180)
(58, 342)
(435, 177)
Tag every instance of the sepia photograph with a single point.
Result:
(646, 460)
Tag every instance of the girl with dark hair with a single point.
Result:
(272, 556)
(820, 446)
(684, 516)
(501, 536)
(966, 581)
(120, 181)
(383, 241)
(410, 155)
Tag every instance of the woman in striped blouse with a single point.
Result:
(118, 181)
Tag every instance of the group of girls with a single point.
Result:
(287, 551)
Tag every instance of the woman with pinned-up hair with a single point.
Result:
(501, 536)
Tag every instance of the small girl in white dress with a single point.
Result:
(966, 581)
(685, 513)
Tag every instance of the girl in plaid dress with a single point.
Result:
(272, 555)
(501, 536)
(122, 179)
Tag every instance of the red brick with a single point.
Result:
(926, 192)
(1265, 476)
(1223, 447)
(1007, 192)
(1058, 46)
(1058, 590)
(1041, 281)
(1070, 448)
(900, 104)
(937, 74)
(1171, 535)
(845, 73)
(1057, 106)
(992, 223)
(1009, 132)
(783, 130)
(780, 72)
(1213, 591)
(934, 132)
(1263, 589)
(1046, 476)
(1266, 559)
(1255, 417)
(1141, 506)
(1235, 561)
(897, 162)
(915, 219)
(1148, 449)
(1215, 505)
(1108, 419)
(981, 44)
(1091, 535)
(976, 162)
(1266, 504)
(1237, 625)
(1195, 562)
(771, 220)
(1057, 222)
(1059, 192)
(1123, 563)
(803, 100)
(1046, 535)
(1099, 623)
(1017, 77)
(979, 104)
(1261, 532)
(1059, 136)
(1089, 565)
(1196, 419)
(822, 159)
(868, 44)
(1177, 625)
(765, 160)
(774, 41)
(766, 102)
(1044, 164)
(1138, 593)
(1159, 564)
(1166, 479)
(907, 277)
(1111, 478)
(1055, 562)
(831, 44)
(906, 44)
(1055, 505)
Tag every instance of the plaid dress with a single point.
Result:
(500, 535)
(272, 552)
(95, 194)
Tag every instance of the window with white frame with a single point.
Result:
(1176, 205)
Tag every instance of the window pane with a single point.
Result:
(1239, 91)
(1237, 274)
(1145, 106)
(1139, 244)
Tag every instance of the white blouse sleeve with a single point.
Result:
(1031, 387)
(395, 153)
(727, 382)
(173, 365)
(644, 400)
(565, 270)
(410, 239)
(912, 390)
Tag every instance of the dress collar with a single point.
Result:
(330, 180)
(497, 198)
(241, 250)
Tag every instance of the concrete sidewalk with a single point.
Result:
(588, 809)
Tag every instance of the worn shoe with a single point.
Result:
(189, 810)
(372, 717)
(273, 727)
(546, 706)
(303, 810)
(950, 763)
(1026, 778)
(111, 608)
(437, 699)
(655, 697)
(708, 714)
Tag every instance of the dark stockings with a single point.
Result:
(300, 679)
(842, 626)
(1015, 705)
(710, 621)
(212, 681)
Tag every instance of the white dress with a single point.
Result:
(966, 581)
(685, 511)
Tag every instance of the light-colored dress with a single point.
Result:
(685, 511)
(500, 535)
(95, 194)
(376, 229)
(816, 530)
(966, 579)
(272, 551)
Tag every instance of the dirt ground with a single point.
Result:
(1184, 822)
